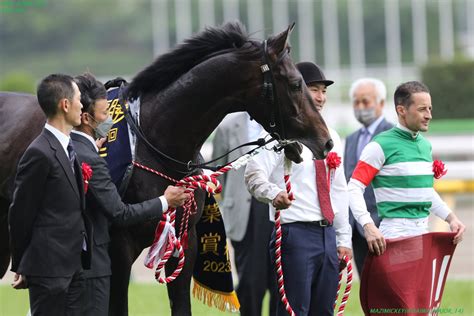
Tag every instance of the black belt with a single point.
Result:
(321, 223)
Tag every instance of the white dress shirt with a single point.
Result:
(254, 129)
(336, 139)
(61, 137)
(264, 180)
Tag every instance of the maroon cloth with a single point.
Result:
(323, 190)
(410, 275)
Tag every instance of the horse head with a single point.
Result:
(219, 71)
(288, 112)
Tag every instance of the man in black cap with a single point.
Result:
(315, 226)
(317, 84)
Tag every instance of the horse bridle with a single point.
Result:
(269, 95)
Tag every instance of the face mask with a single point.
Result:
(103, 128)
(365, 116)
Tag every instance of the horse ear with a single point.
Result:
(279, 42)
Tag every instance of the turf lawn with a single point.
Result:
(152, 300)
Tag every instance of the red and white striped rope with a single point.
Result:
(278, 263)
(208, 183)
(347, 291)
(173, 245)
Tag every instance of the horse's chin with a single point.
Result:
(317, 153)
(293, 152)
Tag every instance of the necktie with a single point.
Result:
(72, 154)
(323, 191)
(364, 139)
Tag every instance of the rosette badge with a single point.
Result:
(333, 161)
(86, 175)
(439, 169)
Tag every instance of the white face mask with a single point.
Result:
(103, 128)
(365, 116)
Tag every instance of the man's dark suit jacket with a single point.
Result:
(350, 162)
(46, 218)
(104, 206)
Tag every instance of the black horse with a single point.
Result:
(184, 95)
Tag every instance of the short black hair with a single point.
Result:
(404, 92)
(51, 90)
(91, 91)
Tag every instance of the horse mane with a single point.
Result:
(168, 67)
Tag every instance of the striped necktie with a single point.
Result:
(72, 154)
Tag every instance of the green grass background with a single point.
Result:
(152, 300)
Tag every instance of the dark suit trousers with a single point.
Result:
(253, 264)
(96, 297)
(56, 296)
(310, 268)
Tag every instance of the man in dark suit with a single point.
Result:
(368, 99)
(48, 228)
(103, 203)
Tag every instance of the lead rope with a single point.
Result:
(279, 266)
(347, 290)
(278, 263)
(165, 243)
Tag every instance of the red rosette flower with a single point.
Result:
(86, 175)
(333, 161)
(439, 169)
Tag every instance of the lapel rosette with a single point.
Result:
(86, 175)
(439, 169)
(333, 161)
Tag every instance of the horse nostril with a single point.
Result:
(329, 146)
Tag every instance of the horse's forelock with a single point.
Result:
(168, 67)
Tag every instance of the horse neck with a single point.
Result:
(181, 118)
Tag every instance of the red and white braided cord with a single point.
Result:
(173, 243)
(278, 263)
(208, 183)
(347, 291)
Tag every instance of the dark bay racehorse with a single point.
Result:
(184, 95)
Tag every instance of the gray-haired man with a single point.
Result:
(368, 99)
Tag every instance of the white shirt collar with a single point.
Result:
(406, 129)
(372, 127)
(62, 138)
(88, 137)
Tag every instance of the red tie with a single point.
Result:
(323, 191)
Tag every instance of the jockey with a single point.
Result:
(399, 164)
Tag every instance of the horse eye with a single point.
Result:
(295, 86)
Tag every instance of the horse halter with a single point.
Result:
(269, 95)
